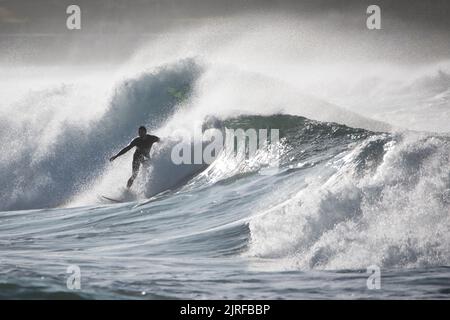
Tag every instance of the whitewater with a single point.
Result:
(362, 172)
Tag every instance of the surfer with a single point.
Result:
(143, 144)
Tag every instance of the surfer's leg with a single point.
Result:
(136, 165)
(146, 163)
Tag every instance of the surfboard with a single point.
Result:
(111, 199)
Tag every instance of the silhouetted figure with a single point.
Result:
(143, 144)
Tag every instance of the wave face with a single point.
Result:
(384, 202)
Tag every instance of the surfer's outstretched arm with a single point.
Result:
(123, 151)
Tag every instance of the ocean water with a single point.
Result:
(346, 190)
(342, 200)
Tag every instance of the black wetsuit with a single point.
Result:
(142, 153)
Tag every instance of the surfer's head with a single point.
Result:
(142, 131)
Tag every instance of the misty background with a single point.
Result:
(34, 32)
(255, 55)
